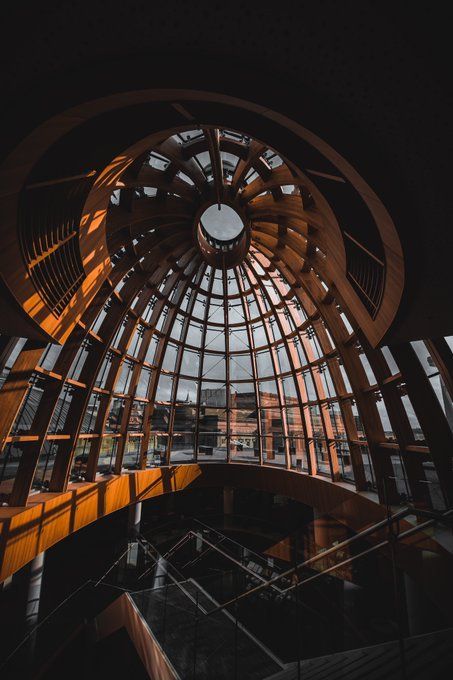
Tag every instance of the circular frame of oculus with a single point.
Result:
(222, 224)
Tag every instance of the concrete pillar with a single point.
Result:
(132, 555)
(327, 531)
(414, 606)
(33, 600)
(34, 590)
(351, 593)
(198, 542)
(134, 519)
(228, 500)
(159, 574)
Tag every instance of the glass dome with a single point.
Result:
(235, 362)
(206, 349)
(229, 346)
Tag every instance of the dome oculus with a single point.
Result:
(222, 222)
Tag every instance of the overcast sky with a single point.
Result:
(223, 224)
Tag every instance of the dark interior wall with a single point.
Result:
(90, 552)
(260, 521)
(370, 78)
(67, 566)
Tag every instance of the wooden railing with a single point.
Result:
(366, 272)
(48, 228)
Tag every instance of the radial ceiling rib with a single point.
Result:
(172, 150)
(244, 166)
(151, 177)
(212, 136)
(249, 360)
(278, 177)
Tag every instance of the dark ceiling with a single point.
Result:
(371, 78)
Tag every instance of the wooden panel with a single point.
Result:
(123, 613)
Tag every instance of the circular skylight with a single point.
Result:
(222, 224)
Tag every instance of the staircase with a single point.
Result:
(205, 642)
(201, 646)
(427, 657)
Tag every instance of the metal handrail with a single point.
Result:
(270, 583)
(113, 565)
(366, 532)
(233, 559)
(42, 622)
(231, 540)
(387, 522)
(177, 545)
(146, 547)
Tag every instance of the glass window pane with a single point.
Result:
(187, 391)
(289, 391)
(131, 458)
(9, 462)
(50, 355)
(164, 388)
(213, 394)
(190, 364)
(239, 340)
(215, 339)
(294, 422)
(244, 446)
(322, 456)
(244, 420)
(298, 453)
(170, 355)
(115, 413)
(309, 386)
(107, 454)
(273, 448)
(182, 447)
(214, 366)
(268, 393)
(136, 416)
(424, 357)
(151, 351)
(391, 363)
(160, 418)
(385, 420)
(265, 367)
(241, 367)
(143, 383)
(368, 370)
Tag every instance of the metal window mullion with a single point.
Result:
(154, 373)
(339, 386)
(316, 381)
(294, 371)
(253, 361)
(265, 322)
(113, 372)
(273, 352)
(163, 342)
(180, 351)
(227, 356)
(200, 369)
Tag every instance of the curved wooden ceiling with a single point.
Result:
(98, 403)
